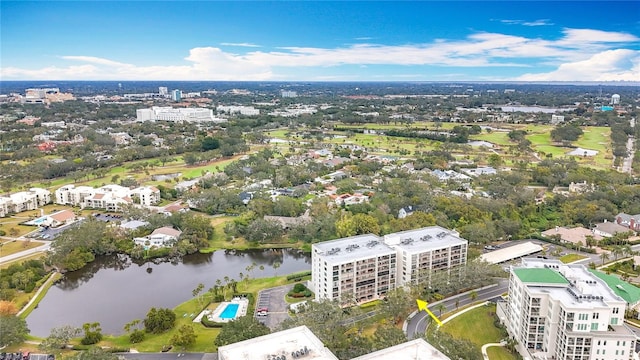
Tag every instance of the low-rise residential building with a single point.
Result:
(60, 218)
(630, 221)
(610, 229)
(108, 197)
(24, 201)
(562, 311)
(161, 237)
(577, 235)
(406, 211)
(146, 195)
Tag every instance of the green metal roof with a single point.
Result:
(540, 276)
(630, 293)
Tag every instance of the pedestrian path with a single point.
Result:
(35, 296)
(485, 346)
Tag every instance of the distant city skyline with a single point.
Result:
(320, 41)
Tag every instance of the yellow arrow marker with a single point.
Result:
(422, 305)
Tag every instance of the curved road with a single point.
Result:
(417, 325)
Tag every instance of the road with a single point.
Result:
(41, 248)
(168, 356)
(417, 325)
(628, 160)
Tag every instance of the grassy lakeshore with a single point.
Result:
(185, 313)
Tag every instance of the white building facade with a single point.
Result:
(564, 312)
(24, 201)
(359, 269)
(364, 268)
(422, 252)
(109, 197)
(167, 113)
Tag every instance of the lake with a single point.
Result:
(114, 290)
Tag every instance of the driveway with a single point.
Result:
(274, 300)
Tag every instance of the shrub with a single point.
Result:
(136, 336)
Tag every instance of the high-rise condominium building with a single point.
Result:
(363, 268)
(565, 312)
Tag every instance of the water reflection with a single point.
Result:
(114, 290)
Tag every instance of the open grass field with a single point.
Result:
(8, 247)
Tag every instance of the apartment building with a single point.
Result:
(366, 267)
(359, 269)
(109, 197)
(422, 252)
(167, 113)
(24, 201)
(565, 312)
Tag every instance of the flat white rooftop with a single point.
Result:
(276, 345)
(417, 349)
(511, 252)
(424, 239)
(353, 248)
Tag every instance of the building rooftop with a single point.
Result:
(417, 349)
(278, 345)
(347, 249)
(572, 284)
(510, 252)
(540, 275)
(630, 293)
(424, 239)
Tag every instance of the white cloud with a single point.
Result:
(239, 44)
(610, 65)
(600, 51)
(539, 22)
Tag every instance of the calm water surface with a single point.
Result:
(115, 290)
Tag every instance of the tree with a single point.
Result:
(387, 335)
(604, 257)
(7, 308)
(242, 328)
(59, 338)
(92, 333)
(185, 337)
(473, 295)
(13, 330)
(397, 305)
(136, 334)
(159, 320)
(94, 353)
(197, 293)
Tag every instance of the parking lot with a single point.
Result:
(274, 301)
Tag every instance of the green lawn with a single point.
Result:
(14, 246)
(499, 353)
(569, 258)
(205, 336)
(475, 325)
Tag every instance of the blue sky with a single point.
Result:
(320, 41)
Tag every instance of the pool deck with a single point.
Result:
(243, 304)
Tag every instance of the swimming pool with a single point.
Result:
(230, 311)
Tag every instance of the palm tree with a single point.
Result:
(604, 257)
(441, 307)
(457, 303)
(617, 251)
(473, 295)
